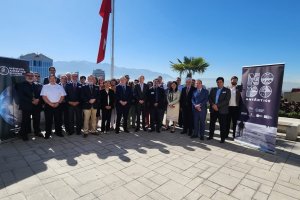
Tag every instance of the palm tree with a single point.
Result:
(190, 66)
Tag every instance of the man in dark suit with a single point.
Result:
(37, 109)
(107, 99)
(90, 102)
(156, 100)
(123, 99)
(199, 106)
(140, 95)
(186, 107)
(64, 105)
(52, 71)
(234, 105)
(73, 90)
(29, 97)
(219, 100)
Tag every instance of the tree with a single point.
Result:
(190, 66)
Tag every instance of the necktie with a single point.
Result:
(187, 91)
(91, 89)
(74, 86)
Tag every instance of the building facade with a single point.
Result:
(99, 73)
(38, 63)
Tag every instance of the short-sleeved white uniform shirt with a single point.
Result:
(53, 92)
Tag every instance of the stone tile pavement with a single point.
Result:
(146, 166)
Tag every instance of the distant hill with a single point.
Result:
(86, 68)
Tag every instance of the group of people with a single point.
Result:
(77, 104)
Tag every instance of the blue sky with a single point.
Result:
(229, 34)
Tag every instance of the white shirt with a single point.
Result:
(53, 92)
(107, 91)
(142, 86)
(232, 101)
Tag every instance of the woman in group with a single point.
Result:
(113, 119)
(173, 97)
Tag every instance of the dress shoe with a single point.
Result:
(38, 135)
(222, 141)
(60, 135)
(126, 131)
(201, 138)
(193, 136)
(85, 135)
(144, 129)
(47, 137)
(172, 131)
(210, 138)
(183, 132)
(117, 132)
(94, 133)
(151, 130)
(25, 138)
(157, 131)
(137, 130)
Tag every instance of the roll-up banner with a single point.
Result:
(257, 125)
(11, 73)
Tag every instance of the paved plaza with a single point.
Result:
(146, 166)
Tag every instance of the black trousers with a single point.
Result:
(156, 118)
(223, 124)
(105, 124)
(65, 116)
(140, 110)
(232, 117)
(36, 119)
(75, 118)
(187, 116)
(50, 114)
(122, 112)
(25, 124)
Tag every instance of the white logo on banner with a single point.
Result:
(4, 70)
(265, 91)
(267, 78)
(253, 81)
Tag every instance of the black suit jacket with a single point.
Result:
(104, 98)
(87, 94)
(186, 100)
(161, 97)
(138, 94)
(223, 102)
(26, 93)
(238, 97)
(38, 89)
(123, 96)
(46, 80)
(73, 94)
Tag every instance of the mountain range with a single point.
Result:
(85, 68)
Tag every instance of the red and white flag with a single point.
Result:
(104, 12)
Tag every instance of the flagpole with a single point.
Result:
(112, 69)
